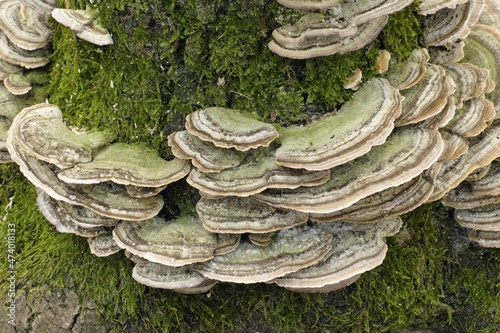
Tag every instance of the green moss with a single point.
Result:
(169, 59)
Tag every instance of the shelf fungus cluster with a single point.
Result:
(307, 207)
(467, 178)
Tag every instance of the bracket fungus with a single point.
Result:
(203, 154)
(449, 25)
(361, 123)
(127, 164)
(356, 248)
(431, 6)
(240, 215)
(85, 23)
(175, 243)
(230, 128)
(36, 126)
(256, 173)
(290, 250)
(409, 150)
(16, 28)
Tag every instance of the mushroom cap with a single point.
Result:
(85, 217)
(426, 98)
(403, 75)
(230, 128)
(475, 115)
(309, 4)
(356, 248)
(204, 155)
(354, 80)
(482, 153)
(454, 146)
(470, 81)
(448, 25)
(57, 217)
(256, 173)
(17, 56)
(106, 199)
(291, 250)
(73, 19)
(390, 202)
(405, 154)
(485, 217)
(175, 243)
(17, 84)
(103, 245)
(40, 131)
(127, 164)
(482, 48)
(44, 6)
(382, 62)
(95, 34)
(16, 28)
(240, 215)
(167, 277)
(431, 6)
(364, 121)
(327, 45)
(442, 118)
(491, 14)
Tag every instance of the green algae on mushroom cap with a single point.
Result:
(405, 154)
(241, 215)
(203, 154)
(356, 248)
(361, 123)
(291, 250)
(256, 173)
(41, 132)
(482, 48)
(175, 243)
(127, 164)
(230, 128)
(106, 199)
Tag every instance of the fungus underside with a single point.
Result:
(174, 57)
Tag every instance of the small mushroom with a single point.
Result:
(167, 277)
(426, 98)
(382, 62)
(354, 80)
